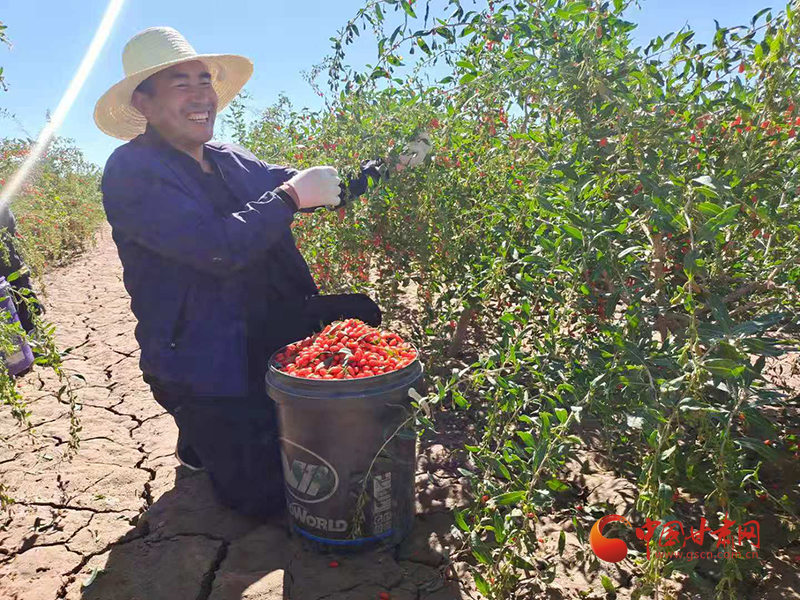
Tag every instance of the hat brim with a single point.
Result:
(115, 116)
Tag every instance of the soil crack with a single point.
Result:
(68, 507)
(69, 577)
(208, 578)
(64, 543)
(147, 492)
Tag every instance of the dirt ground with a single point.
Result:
(125, 518)
(123, 521)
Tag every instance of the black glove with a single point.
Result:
(321, 311)
(375, 169)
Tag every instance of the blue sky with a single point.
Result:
(282, 37)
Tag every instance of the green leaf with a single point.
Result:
(573, 231)
(767, 47)
(408, 9)
(395, 34)
(759, 324)
(630, 250)
(562, 415)
(459, 518)
(726, 217)
(394, 61)
(499, 527)
(709, 209)
(527, 438)
(562, 542)
(769, 453)
(576, 7)
(652, 439)
(478, 547)
(608, 585)
(557, 486)
(447, 34)
(502, 469)
(538, 457)
(758, 15)
(467, 78)
(579, 530)
(544, 417)
(466, 65)
(379, 72)
(510, 498)
(669, 452)
(423, 44)
(707, 187)
(665, 493)
(481, 584)
(723, 367)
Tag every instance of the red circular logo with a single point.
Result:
(608, 549)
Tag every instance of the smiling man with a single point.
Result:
(180, 103)
(215, 279)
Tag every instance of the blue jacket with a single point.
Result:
(187, 266)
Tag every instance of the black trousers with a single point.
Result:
(237, 441)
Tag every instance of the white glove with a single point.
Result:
(317, 186)
(416, 151)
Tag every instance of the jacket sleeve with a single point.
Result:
(154, 210)
(276, 174)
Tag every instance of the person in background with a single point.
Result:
(216, 281)
(13, 263)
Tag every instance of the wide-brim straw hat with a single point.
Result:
(149, 52)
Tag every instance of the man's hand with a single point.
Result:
(416, 151)
(370, 169)
(322, 310)
(317, 186)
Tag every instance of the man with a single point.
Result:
(215, 278)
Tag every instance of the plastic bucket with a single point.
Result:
(349, 456)
(23, 357)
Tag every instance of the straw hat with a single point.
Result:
(149, 52)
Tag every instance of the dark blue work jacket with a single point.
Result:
(209, 282)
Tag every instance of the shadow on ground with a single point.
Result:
(187, 545)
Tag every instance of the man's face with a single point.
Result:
(184, 105)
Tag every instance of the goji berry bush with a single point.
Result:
(619, 226)
(59, 207)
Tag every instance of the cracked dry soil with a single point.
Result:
(125, 518)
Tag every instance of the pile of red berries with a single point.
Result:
(348, 349)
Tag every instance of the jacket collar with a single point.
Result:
(151, 137)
